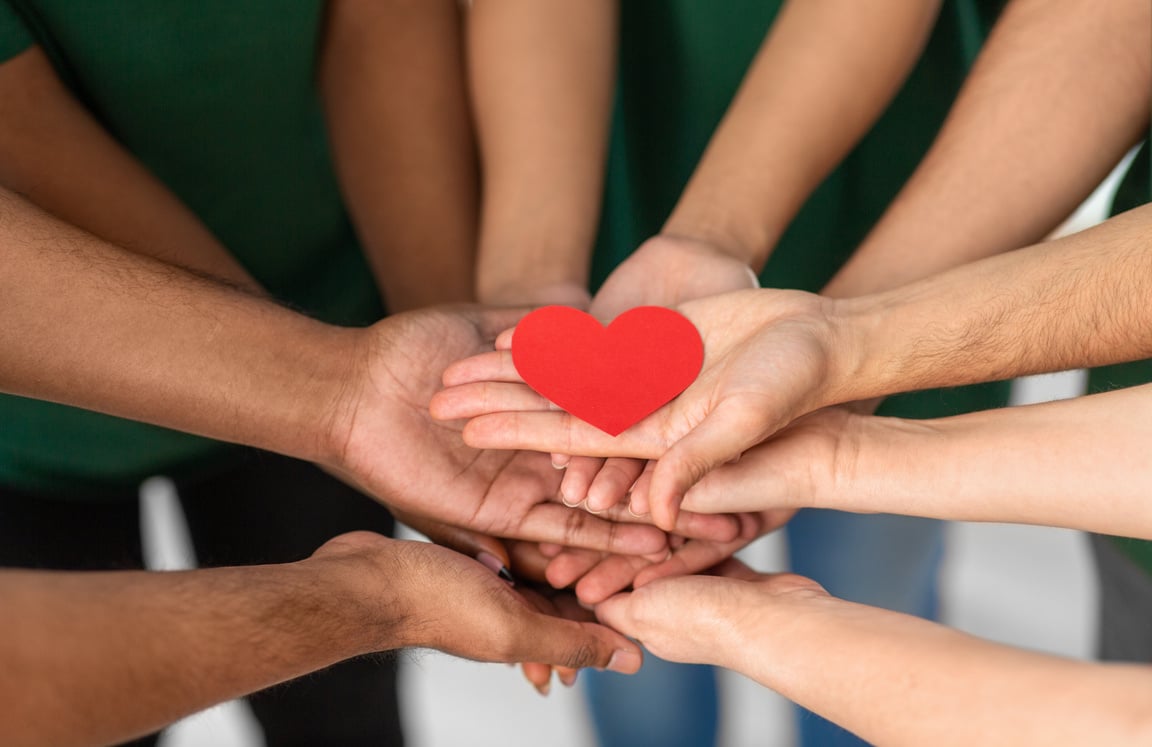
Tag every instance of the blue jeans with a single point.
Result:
(886, 561)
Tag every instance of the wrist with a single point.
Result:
(746, 240)
(364, 585)
(341, 360)
(781, 627)
(535, 292)
(855, 371)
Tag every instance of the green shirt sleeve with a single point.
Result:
(15, 36)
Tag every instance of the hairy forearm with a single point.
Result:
(1079, 463)
(818, 83)
(95, 326)
(392, 77)
(541, 76)
(1078, 301)
(898, 680)
(97, 658)
(58, 156)
(1060, 92)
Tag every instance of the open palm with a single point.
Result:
(766, 359)
(392, 449)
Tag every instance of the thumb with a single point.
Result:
(721, 437)
(577, 645)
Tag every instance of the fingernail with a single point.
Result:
(638, 516)
(624, 662)
(494, 564)
(566, 502)
(545, 688)
(568, 678)
(559, 466)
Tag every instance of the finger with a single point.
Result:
(494, 365)
(527, 560)
(695, 557)
(504, 339)
(570, 566)
(579, 644)
(612, 574)
(556, 432)
(538, 675)
(560, 461)
(699, 555)
(492, 322)
(722, 435)
(482, 398)
(616, 612)
(552, 522)
(754, 483)
(578, 476)
(550, 549)
(736, 568)
(713, 527)
(612, 482)
(638, 504)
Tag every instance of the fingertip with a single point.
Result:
(625, 661)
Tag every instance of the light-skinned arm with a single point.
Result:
(1026, 465)
(817, 84)
(98, 658)
(541, 79)
(391, 73)
(891, 678)
(773, 356)
(1059, 93)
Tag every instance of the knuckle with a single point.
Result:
(583, 655)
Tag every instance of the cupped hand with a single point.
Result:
(767, 360)
(418, 594)
(667, 271)
(385, 442)
(799, 467)
(664, 271)
(706, 619)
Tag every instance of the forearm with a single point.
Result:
(95, 326)
(1078, 301)
(58, 156)
(898, 680)
(97, 658)
(817, 85)
(1058, 95)
(542, 75)
(392, 77)
(1079, 463)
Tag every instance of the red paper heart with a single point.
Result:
(611, 377)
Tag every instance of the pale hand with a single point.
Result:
(767, 360)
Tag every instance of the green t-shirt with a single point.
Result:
(216, 98)
(682, 61)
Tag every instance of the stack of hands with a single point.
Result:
(580, 509)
